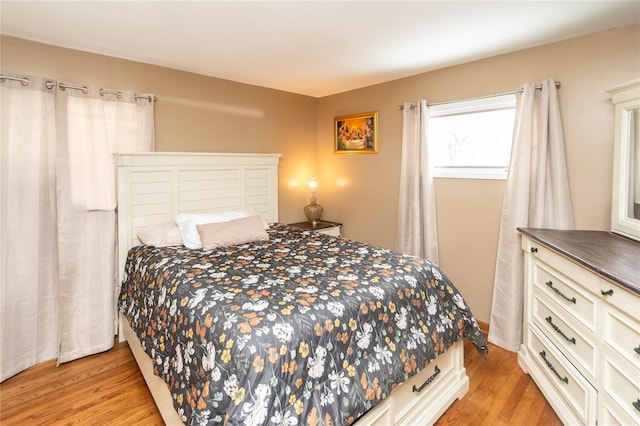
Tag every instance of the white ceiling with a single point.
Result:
(315, 48)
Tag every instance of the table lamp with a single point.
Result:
(313, 211)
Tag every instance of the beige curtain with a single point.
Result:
(417, 232)
(91, 128)
(536, 196)
(28, 235)
(76, 231)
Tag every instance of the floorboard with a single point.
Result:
(108, 389)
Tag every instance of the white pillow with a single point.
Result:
(187, 223)
(160, 235)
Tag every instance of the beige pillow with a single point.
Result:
(187, 223)
(160, 235)
(236, 231)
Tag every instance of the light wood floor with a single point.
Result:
(108, 389)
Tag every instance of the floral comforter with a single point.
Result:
(301, 329)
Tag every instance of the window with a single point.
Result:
(472, 139)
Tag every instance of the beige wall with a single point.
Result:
(195, 113)
(361, 190)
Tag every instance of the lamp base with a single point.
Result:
(313, 212)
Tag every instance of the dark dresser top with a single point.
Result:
(609, 255)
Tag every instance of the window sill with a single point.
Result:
(493, 173)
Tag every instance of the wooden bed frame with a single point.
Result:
(154, 187)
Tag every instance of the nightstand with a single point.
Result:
(322, 226)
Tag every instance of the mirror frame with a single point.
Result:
(625, 98)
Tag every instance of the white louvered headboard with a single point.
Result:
(154, 187)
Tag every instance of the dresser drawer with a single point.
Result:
(577, 301)
(622, 334)
(623, 300)
(611, 415)
(578, 396)
(407, 402)
(621, 381)
(576, 344)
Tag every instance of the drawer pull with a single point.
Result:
(607, 293)
(534, 249)
(637, 350)
(565, 379)
(557, 329)
(636, 404)
(569, 299)
(428, 381)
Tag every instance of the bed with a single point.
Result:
(296, 328)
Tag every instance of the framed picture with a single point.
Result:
(356, 133)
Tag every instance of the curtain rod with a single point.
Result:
(24, 81)
(63, 86)
(538, 87)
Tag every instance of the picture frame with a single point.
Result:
(356, 133)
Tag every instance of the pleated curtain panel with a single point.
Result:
(536, 196)
(57, 216)
(417, 232)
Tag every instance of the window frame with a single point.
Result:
(476, 105)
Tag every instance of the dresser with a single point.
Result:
(322, 226)
(581, 335)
